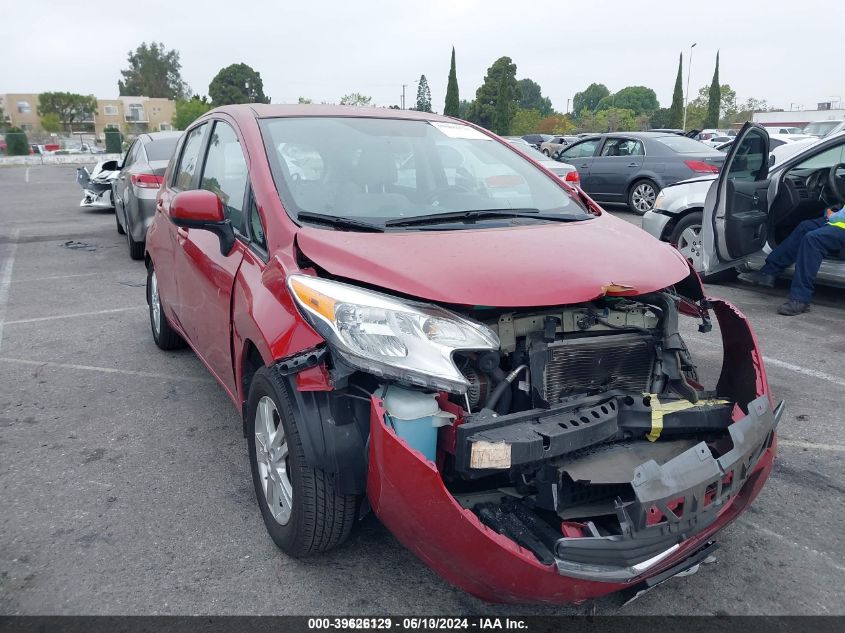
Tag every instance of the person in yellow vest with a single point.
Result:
(806, 247)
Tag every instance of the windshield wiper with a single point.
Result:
(459, 216)
(339, 222)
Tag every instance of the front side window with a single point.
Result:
(225, 173)
(383, 169)
(256, 226)
(585, 149)
(184, 176)
(751, 158)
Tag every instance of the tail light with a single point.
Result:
(147, 181)
(573, 176)
(701, 167)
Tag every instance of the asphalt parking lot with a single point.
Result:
(124, 478)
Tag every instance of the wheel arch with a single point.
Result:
(673, 222)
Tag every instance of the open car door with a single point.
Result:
(736, 209)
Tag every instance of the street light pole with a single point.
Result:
(567, 105)
(403, 95)
(689, 72)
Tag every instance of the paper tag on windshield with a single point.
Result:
(490, 455)
(459, 130)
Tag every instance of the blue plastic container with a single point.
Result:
(415, 417)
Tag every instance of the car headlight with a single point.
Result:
(389, 337)
(659, 200)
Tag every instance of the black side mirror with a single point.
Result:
(771, 159)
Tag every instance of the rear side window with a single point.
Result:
(161, 149)
(622, 147)
(683, 145)
(189, 160)
(225, 173)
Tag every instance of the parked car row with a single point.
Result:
(734, 219)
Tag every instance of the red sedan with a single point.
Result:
(413, 317)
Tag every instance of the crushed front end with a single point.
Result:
(578, 457)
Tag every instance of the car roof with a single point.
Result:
(270, 111)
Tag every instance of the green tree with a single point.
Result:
(16, 142)
(423, 95)
(661, 118)
(453, 102)
(68, 107)
(305, 100)
(189, 110)
(525, 122)
(531, 97)
(463, 109)
(2, 118)
(51, 122)
(589, 98)
(714, 99)
(153, 72)
(676, 110)
(499, 85)
(555, 124)
(237, 83)
(640, 99)
(356, 99)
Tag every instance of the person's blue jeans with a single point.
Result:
(806, 247)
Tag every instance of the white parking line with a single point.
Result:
(815, 373)
(6, 278)
(826, 557)
(836, 448)
(804, 370)
(48, 278)
(73, 315)
(107, 370)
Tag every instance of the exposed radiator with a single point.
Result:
(598, 363)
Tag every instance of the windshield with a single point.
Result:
(161, 149)
(683, 145)
(820, 128)
(377, 170)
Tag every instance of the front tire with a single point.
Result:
(120, 230)
(301, 510)
(136, 249)
(641, 196)
(164, 335)
(688, 238)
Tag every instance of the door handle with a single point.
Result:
(633, 165)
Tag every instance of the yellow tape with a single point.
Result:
(658, 410)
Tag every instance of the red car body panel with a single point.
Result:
(225, 305)
(525, 266)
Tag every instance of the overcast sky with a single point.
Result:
(786, 54)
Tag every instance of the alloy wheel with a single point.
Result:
(271, 452)
(643, 197)
(690, 245)
(155, 303)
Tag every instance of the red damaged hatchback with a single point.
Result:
(414, 317)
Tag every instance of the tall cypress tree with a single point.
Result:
(714, 99)
(453, 101)
(676, 110)
(504, 107)
(423, 95)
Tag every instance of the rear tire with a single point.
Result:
(309, 516)
(165, 337)
(641, 196)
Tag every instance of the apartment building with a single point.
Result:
(130, 115)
